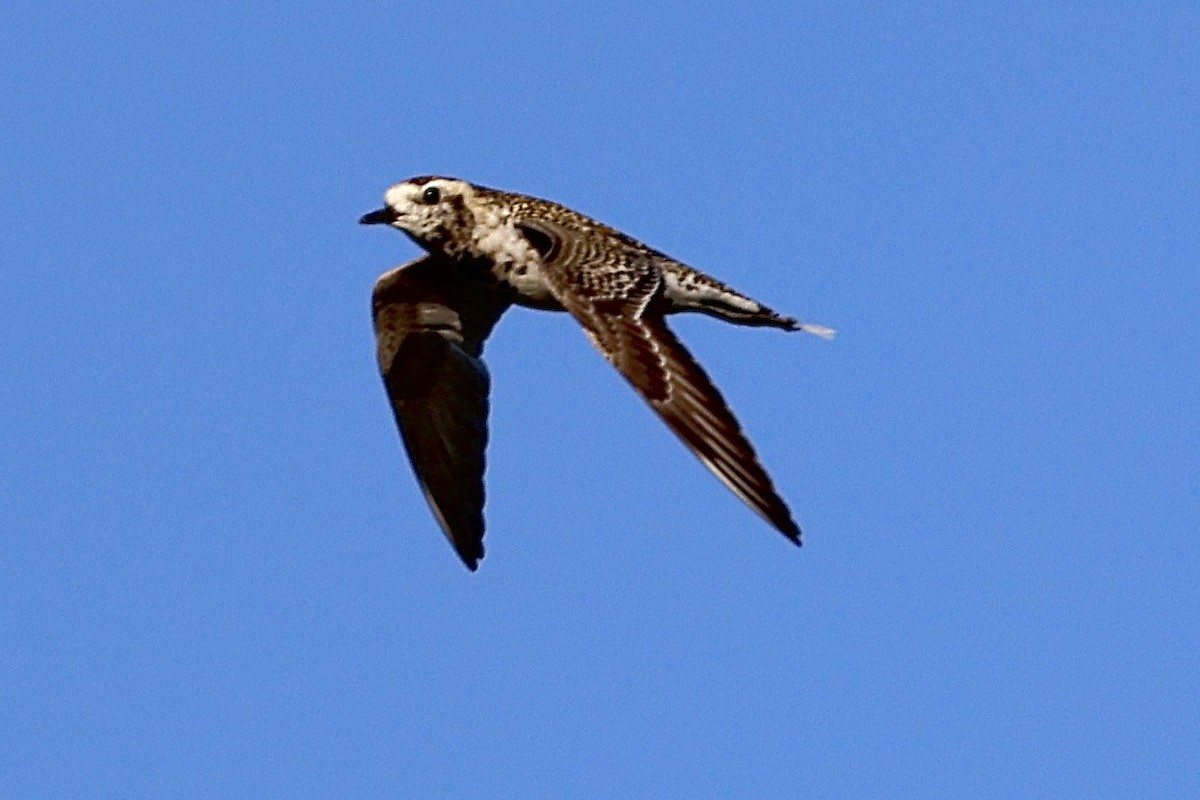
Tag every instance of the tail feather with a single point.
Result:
(687, 289)
(815, 330)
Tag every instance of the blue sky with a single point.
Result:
(217, 575)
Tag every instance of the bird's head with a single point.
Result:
(435, 212)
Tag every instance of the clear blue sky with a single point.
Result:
(217, 575)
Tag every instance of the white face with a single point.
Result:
(428, 209)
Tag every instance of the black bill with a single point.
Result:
(382, 216)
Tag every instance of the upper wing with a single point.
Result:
(431, 320)
(615, 291)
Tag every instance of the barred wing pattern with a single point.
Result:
(615, 290)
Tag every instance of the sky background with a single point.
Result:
(219, 579)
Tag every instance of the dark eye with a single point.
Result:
(431, 195)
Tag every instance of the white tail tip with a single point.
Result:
(818, 330)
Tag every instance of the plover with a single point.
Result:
(489, 249)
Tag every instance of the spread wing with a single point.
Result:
(615, 291)
(431, 319)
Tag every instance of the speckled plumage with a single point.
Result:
(488, 249)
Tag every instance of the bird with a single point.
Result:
(487, 250)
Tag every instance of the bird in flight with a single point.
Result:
(487, 250)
